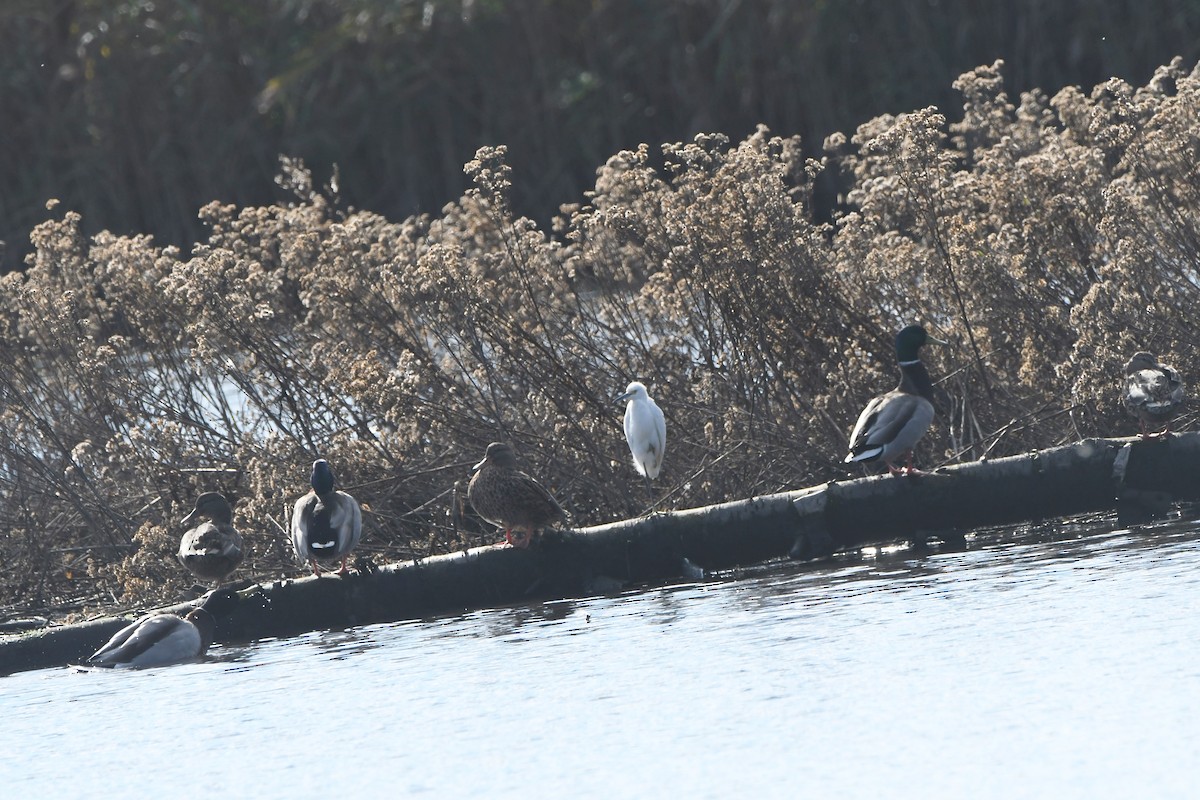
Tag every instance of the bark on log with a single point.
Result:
(1134, 477)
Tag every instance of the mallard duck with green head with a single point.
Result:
(892, 424)
(211, 549)
(326, 523)
(1153, 393)
(159, 639)
(510, 499)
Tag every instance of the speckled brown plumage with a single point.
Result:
(212, 549)
(508, 498)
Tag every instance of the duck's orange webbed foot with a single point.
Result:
(907, 469)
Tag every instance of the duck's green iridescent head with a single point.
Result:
(909, 341)
(322, 477)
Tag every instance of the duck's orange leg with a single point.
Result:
(907, 469)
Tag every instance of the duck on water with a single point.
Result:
(161, 639)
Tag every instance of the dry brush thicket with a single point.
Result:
(1044, 239)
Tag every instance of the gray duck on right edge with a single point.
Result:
(891, 425)
(1153, 393)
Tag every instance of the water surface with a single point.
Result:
(1060, 662)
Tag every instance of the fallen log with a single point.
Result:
(1136, 478)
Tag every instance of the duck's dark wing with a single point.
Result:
(106, 654)
(536, 501)
(1174, 384)
(159, 639)
(310, 524)
(211, 551)
(876, 426)
(895, 420)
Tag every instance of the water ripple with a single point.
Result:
(1058, 657)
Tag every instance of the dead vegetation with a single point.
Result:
(1045, 238)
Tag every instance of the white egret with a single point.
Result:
(645, 430)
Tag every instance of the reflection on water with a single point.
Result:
(1058, 660)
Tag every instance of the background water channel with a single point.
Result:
(1060, 661)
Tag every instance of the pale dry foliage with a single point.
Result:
(1044, 239)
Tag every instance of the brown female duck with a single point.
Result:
(508, 498)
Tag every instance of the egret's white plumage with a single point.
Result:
(645, 429)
